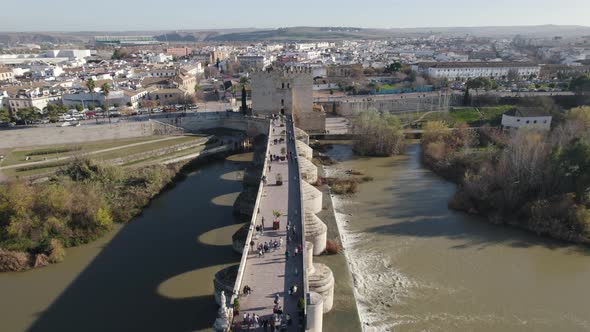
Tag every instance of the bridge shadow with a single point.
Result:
(119, 289)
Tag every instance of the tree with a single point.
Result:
(378, 134)
(573, 164)
(244, 104)
(394, 67)
(198, 92)
(149, 104)
(466, 97)
(513, 75)
(91, 86)
(4, 115)
(580, 115)
(28, 114)
(79, 108)
(580, 84)
(54, 111)
(105, 90)
(118, 54)
(211, 71)
(479, 83)
(357, 72)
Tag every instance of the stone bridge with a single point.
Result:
(284, 277)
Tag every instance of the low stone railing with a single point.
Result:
(246, 251)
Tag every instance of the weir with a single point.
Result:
(304, 290)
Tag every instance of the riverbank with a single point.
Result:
(163, 260)
(78, 205)
(532, 180)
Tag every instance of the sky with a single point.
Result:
(128, 15)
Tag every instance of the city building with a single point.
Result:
(178, 51)
(6, 75)
(526, 118)
(248, 62)
(37, 98)
(461, 71)
(125, 40)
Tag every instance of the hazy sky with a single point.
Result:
(78, 15)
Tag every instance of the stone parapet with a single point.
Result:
(304, 150)
(309, 171)
(316, 232)
(322, 282)
(315, 314)
(312, 197)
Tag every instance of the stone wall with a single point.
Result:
(349, 107)
(253, 126)
(52, 135)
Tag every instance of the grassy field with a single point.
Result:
(472, 116)
(18, 156)
(177, 154)
(144, 148)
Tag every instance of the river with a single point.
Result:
(153, 274)
(418, 266)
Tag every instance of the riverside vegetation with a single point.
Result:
(77, 205)
(531, 179)
(377, 134)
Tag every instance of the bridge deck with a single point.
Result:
(273, 273)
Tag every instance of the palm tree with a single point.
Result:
(91, 85)
(105, 89)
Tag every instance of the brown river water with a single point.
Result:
(153, 274)
(418, 266)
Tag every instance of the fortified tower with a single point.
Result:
(288, 91)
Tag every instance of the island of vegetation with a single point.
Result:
(536, 180)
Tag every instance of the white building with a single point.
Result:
(451, 57)
(253, 61)
(465, 70)
(6, 75)
(159, 58)
(526, 118)
(36, 98)
(52, 56)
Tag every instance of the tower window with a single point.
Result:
(282, 102)
(283, 86)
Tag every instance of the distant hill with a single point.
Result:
(304, 33)
(300, 34)
(332, 33)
